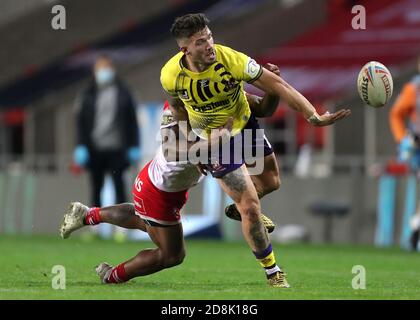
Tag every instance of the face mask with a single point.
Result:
(104, 76)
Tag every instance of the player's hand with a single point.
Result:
(226, 129)
(273, 68)
(217, 137)
(223, 132)
(328, 118)
(134, 155)
(81, 155)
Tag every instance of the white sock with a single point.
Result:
(271, 271)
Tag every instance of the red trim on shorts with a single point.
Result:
(156, 205)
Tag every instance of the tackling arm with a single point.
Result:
(177, 108)
(263, 107)
(173, 150)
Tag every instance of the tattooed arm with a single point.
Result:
(180, 114)
(176, 146)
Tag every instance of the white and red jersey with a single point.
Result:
(161, 187)
(172, 176)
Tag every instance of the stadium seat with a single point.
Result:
(327, 209)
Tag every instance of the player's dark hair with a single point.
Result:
(187, 25)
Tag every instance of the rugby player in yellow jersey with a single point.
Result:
(159, 211)
(204, 83)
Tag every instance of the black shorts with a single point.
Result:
(247, 147)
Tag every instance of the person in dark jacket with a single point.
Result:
(107, 130)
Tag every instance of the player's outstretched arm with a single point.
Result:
(275, 85)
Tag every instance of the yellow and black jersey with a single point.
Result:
(214, 95)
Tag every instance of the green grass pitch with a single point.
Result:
(211, 270)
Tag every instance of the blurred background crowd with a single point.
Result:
(50, 79)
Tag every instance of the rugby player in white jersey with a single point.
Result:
(159, 193)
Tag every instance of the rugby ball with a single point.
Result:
(375, 84)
